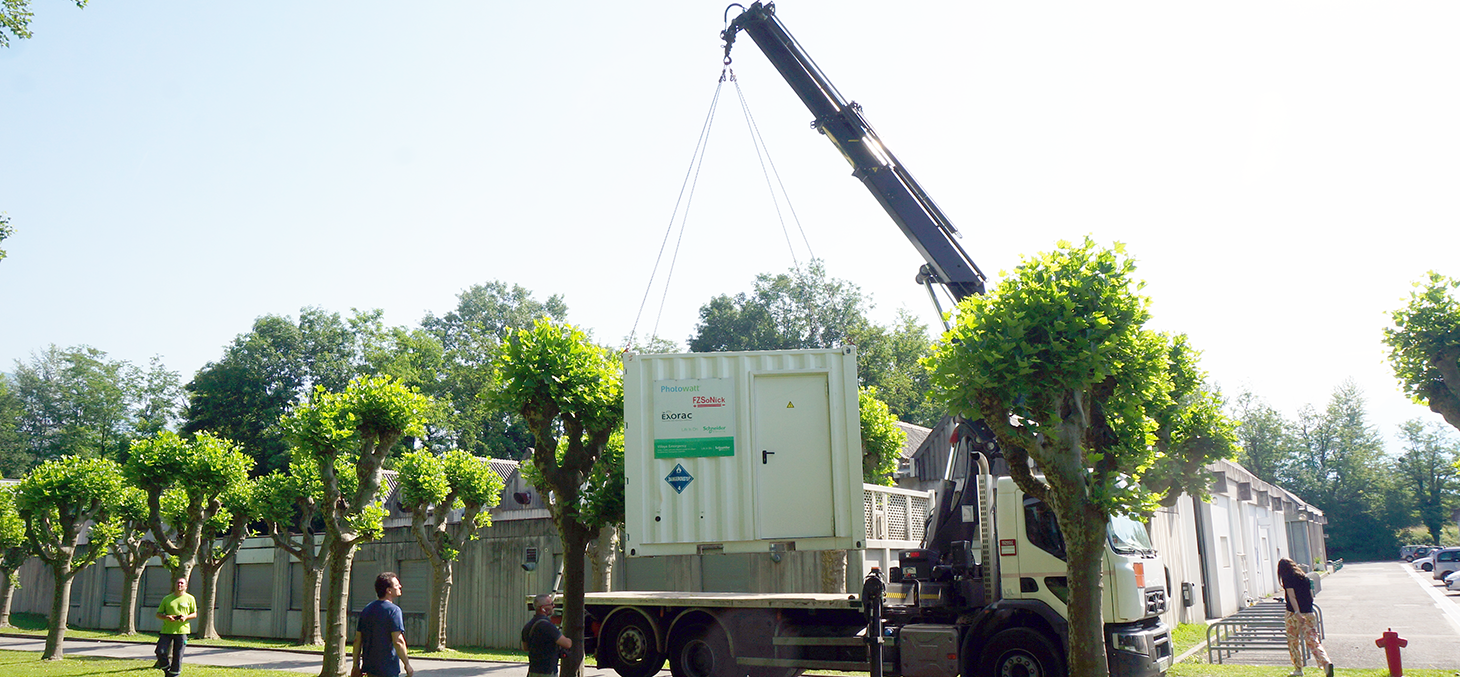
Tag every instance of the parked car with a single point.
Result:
(1446, 561)
(1407, 552)
(1424, 560)
(1452, 582)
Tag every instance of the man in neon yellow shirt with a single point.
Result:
(175, 611)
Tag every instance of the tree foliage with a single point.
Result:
(1057, 362)
(470, 335)
(14, 550)
(6, 230)
(1429, 469)
(1265, 438)
(1339, 466)
(266, 371)
(79, 402)
(803, 308)
(15, 16)
(793, 310)
(890, 360)
(1424, 346)
(570, 393)
(60, 501)
(882, 440)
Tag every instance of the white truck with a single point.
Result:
(711, 436)
(984, 595)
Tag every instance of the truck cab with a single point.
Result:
(1032, 568)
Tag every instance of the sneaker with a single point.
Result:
(1297, 672)
(1328, 670)
(161, 664)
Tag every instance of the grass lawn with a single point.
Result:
(35, 624)
(29, 664)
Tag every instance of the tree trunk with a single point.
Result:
(60, 607)
(7, 592)
(575, 550)
(440, 598)
(207, 616)
(309, 611)
(1085, 545)
(342, 556)
(604, 554)
(834, 571)
(131, 581)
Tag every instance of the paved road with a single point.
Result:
(1359, 603)
(1363, 600)
(269, 660)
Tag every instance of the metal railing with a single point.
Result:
(1257, 627)
(893, 514)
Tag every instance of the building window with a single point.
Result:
(253, 586)
(114, 584)
(415, 579)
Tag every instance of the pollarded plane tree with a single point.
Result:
(570, 393)
(132, 548)
(1057, 362)
(361, 423)
(431, 487)
(289, 504)
(200, 471)
(14, 551)
(60, 501)
(221, 537)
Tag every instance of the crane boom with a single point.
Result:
(872, 162)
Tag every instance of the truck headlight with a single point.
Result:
(1131, 643)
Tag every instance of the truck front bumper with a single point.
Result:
(1141, 650)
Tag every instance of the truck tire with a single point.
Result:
(1021, 652)
(701, 650)
(627, 643)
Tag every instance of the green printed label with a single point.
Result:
(694, 447)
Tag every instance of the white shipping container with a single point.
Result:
(742, 452)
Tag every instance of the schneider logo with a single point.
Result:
(676, 416)
(702, 401)
(679, 389)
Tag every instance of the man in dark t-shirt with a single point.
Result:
(542, 639)
(380, 641)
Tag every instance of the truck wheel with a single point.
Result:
(1020, 652)
(627, 644)
(701, 651)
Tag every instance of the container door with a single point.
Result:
(792, 456)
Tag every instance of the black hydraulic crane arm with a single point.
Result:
(842, 122)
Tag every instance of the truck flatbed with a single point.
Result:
(748, 600)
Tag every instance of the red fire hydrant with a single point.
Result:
(1391, 643)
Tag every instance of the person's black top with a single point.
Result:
(1302, 589)
(541, 637)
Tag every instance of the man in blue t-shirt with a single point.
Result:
(380, 641)
(542, 639)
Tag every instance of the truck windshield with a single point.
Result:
(1128, 536)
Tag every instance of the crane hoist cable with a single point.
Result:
(763, 154)
(686, 198)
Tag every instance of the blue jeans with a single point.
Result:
(170, 650)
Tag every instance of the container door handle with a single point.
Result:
(763, 455)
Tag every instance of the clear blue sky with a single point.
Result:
(1282, 170)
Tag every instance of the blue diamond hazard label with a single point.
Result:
(679, 478)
